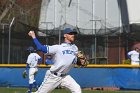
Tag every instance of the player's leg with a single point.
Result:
(50, 83)
(31, 79)
(71, 84)
(34, 83)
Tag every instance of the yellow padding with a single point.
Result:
(88, 66)
(20, 65)
(113, 66)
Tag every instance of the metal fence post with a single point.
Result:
(9, 43)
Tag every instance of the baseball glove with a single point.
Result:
(81, 59)
(24, 74)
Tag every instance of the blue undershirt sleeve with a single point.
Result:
(129, 56)
(39, 61)
(27, 67)
(39, 46)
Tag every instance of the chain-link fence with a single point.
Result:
(105, 50)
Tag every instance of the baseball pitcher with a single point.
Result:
(64, 58)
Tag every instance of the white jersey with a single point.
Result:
(64, 57)
(32, 60)
(134, 55)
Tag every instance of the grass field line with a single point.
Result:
(24, 90)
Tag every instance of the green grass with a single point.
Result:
(23, 90)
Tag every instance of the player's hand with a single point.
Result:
(32, 34)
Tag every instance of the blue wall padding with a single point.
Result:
(127, 78)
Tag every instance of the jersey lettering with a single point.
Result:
(68, 52)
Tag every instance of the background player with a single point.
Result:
(32, 65)
(64, 58)
(134, 56)
(49, 60)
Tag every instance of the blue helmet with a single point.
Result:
(69, 30)
(30, 49)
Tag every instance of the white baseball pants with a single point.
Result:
(51, 81)
(32, 71)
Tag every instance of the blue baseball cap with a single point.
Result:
(69, 30)
(30, 49)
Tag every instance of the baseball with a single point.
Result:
(31, 32)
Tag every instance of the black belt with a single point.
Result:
(59, 74)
